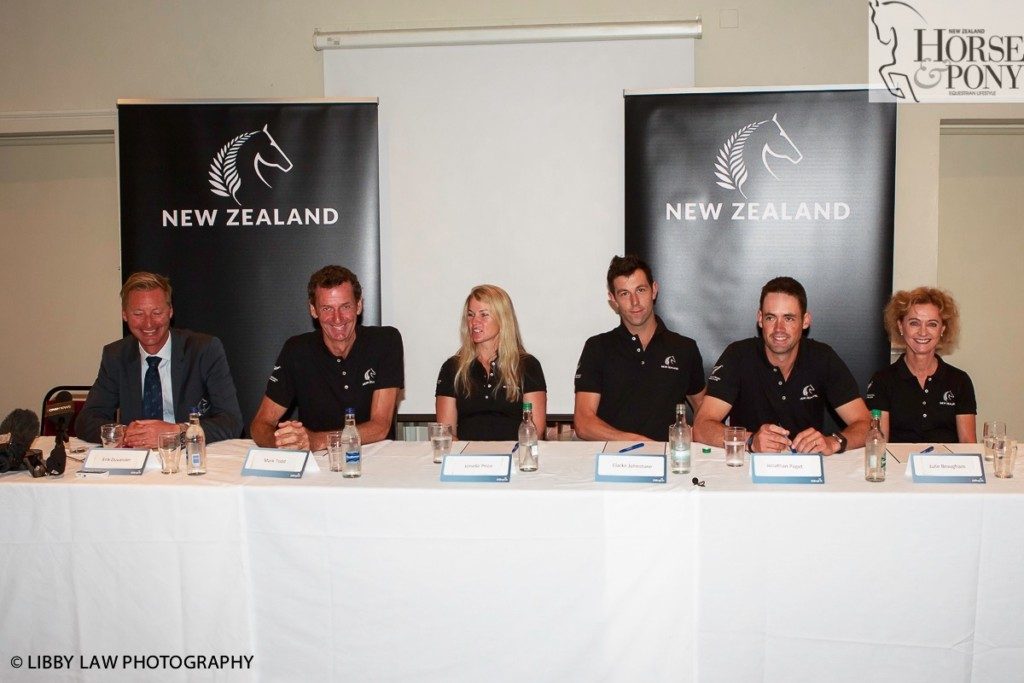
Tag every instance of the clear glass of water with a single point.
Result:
(993, 429)
(169, 446)
(1004, 453)
(735, 446)
(112, 435)
(440, 439)
(336, 451)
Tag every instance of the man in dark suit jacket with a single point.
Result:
(183, 370)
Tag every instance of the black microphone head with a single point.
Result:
(60, 411)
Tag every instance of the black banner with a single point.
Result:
(238, 204)
(727, 190)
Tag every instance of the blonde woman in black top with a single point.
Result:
(481, 389)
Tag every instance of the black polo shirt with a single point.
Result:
(485, 415)
(640, 387)
(744, 378)
(322, 386)
(919, 415)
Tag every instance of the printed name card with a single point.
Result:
(960, 468)
(630, 469)
(777, 468)
(491, 468)
(115, 460)
(273, 462)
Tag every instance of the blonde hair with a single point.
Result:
(901, 303)
(144, 282)
(510, 344)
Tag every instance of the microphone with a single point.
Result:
(17, 432)
(59, 413)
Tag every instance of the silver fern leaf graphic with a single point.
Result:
(224, 180)
(729, 166)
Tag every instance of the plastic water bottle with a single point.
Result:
(353, 446)
(679, 439)
(529, 452)
(874, 449)
(195, 446)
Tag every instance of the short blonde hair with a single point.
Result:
(901, 303)
(143, 281)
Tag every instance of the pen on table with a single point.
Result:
(515, 448)
(632, 448)
(929, 449)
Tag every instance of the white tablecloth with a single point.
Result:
(397, 576)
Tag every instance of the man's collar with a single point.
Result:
(164, 353)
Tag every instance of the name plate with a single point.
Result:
(490, 468)
(115, 460)
(959, 468)
(776, 468)
(630, 469)
(273, 462)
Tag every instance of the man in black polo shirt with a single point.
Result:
(630, 379)
(343, 365)
(776, 385)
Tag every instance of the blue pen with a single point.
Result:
(515, 448)
(632, 448)
(929, 449)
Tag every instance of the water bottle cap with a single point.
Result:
(877, 414)
(350, 411)
(527, 406)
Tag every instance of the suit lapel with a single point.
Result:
(177, 373)
(133, 362)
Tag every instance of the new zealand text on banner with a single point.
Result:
(946, 51)
(238, 203)
(726, 190)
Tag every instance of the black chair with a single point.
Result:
(78, 396)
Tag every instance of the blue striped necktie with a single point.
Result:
(152, 392)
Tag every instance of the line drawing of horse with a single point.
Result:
(730, 163)
(884, 16)
(225, 179)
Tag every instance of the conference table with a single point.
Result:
(397, 575)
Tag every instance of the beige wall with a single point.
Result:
(74, 56)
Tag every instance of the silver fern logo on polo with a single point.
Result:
(759, 156)
(225, 180)
(714, 373)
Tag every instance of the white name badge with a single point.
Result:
(961, 468)
(778, 468)
(492, 468)
(116, 460)
(273, 462)
(630, 469)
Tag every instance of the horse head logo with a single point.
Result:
(731, 165)
(225, 180)
(885, 16)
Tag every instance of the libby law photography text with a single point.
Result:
(132, 662)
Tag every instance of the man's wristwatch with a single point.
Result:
(842, 441)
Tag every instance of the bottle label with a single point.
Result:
(196, 459)
(352, 456)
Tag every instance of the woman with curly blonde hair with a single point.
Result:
(922, 397)
(481, 389)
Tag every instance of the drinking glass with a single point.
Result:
(169, 445)
(440, 439)
(112, 435)
(336, 451)
(735, 445)
(1004, 453)
(992, 430)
